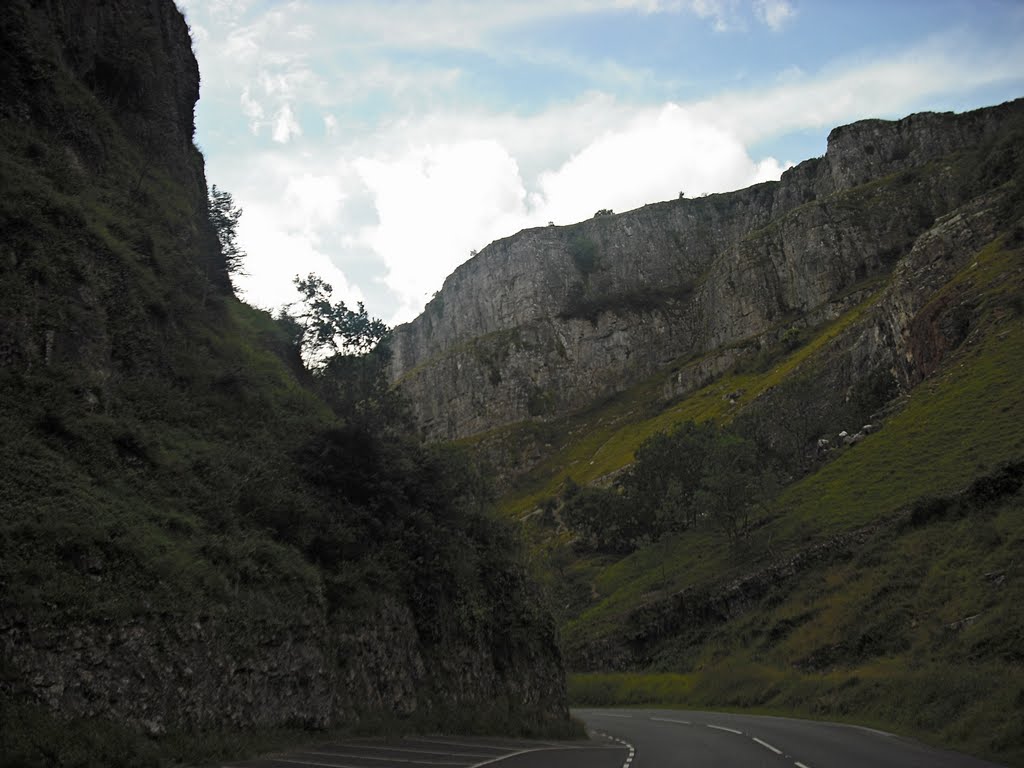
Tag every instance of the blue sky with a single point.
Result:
(378, 142)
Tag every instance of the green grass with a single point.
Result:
(960, 424)
(614, 689)
(877, 638)
(603, 439)
(874, 633)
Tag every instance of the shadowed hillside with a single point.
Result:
(767, 445)
(201, 543)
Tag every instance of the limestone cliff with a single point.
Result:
(543, 322)
(187, 542)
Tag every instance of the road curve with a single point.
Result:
(683, 739)
(445, 752)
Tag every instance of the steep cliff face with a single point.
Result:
(178, 549)
(542, 322)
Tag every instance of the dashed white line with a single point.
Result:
(623, 742)
(766, 745)
(670, 720)
(801, 765)
(723, 728)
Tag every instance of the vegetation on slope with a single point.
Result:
(169, 466)
(875, 588)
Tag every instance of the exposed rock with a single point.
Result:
(104, 317)
(523, 331)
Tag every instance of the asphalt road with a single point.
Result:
(635, 738)
(680, 739)
(447, 752)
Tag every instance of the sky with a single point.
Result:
(379, 143)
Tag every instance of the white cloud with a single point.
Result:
(659, 154)
(312, 203)
(252, 109)
(774, 13)
(286, 127)
(879, 87)
(434, 205)
(414, 191)
(276, 255)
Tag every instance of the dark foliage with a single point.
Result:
(224, 217)
(696, 474)
(322, 329)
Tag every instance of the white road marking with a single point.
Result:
(443, 742)
(307, 762)
(632, 752)
(612, 714)
(623, 742)
(390, 759)
(670, 720)
(766, 745)
(387, 748)
(527, 752)
(723, 728)
(801, 765)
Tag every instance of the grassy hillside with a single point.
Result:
(883, 587)
(200, 543)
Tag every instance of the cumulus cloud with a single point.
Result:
(657, 155)
(275, 255)
(389, 206)
(435, 204)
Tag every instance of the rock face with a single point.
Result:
(543, 322)
(136, 584)
(236, 667)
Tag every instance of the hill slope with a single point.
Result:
(878, 578)
(192, 542)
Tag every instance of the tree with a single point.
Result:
(224, 216)
(322, 329)
(734, 483)
(602, 521)
(698, 473)
(667, 473)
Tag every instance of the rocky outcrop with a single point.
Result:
(135, 56)
(139, 584)
(540, 323)
(239, 667)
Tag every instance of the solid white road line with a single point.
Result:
(526, 752)
(723, 728)
(448, 743)
(612, 714)
(308, 763)
(766, 745)
(390, 759)
(387, 748)
(670, 720)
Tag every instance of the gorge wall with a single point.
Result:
(550, 319)
(177, 551)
